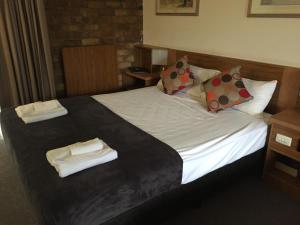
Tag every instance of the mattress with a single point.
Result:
(205, 141)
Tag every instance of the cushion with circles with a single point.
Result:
(177, 77)
(226, 90)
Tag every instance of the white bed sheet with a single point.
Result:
(205, 141)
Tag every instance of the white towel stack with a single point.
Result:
(80, 156)
(39, 111)
(86, 147)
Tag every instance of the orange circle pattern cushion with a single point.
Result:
(177, 77)
(226, 90)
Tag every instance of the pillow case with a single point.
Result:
(201, 74)
(226, 90)
(177, 77)
(262, 91)
(196, 92)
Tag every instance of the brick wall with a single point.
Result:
(93, 22)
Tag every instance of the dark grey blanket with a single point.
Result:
(145, 168)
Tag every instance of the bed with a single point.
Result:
(200, 137)
(160, 148)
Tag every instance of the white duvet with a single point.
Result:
(205, 141)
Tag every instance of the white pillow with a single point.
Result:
(201, 74)
(196, 92)
(262, 92)
(160, 85)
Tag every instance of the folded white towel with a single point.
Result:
(86, 147)
(24, 110)
(44, 107)
(39, 111)
(67, 164)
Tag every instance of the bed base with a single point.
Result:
(192, 194)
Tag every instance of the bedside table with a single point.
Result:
(282, 165)
(138, 80)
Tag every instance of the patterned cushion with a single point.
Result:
(226, 90)
(177, 77)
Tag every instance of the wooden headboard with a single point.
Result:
(90, 70)
(287, 91)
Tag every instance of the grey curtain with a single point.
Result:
(26, 64)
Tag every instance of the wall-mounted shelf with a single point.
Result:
(143, 56)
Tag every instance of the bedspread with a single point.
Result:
(146, 167)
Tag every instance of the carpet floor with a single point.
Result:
(248, 202)
(14, 207)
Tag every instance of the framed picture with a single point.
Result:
(177, 7)
(274, 8)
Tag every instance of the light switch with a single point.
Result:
(285, 140)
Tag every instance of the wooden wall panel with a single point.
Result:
(90, 70)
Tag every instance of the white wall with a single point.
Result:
(223, 28)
